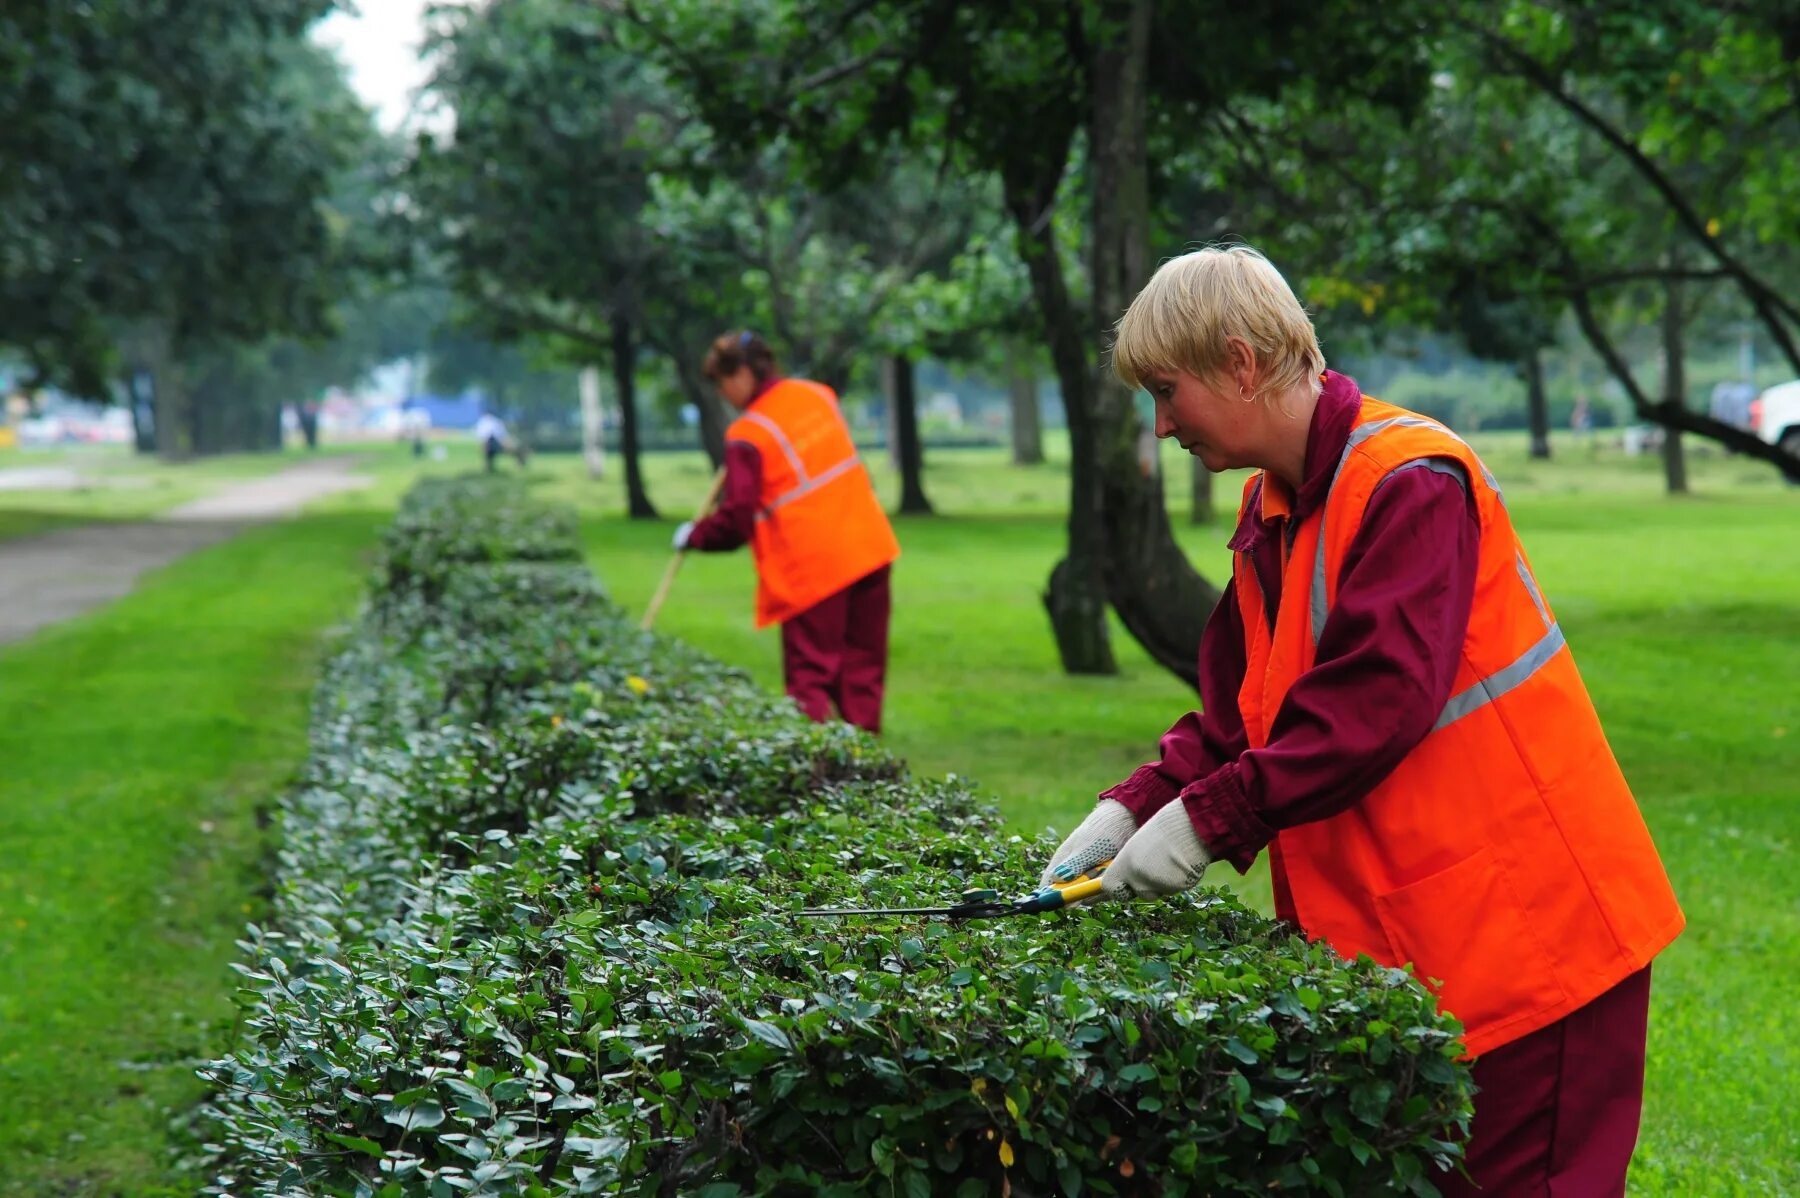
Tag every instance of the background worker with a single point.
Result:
(1390, 707)
(798, 494)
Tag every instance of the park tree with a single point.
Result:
(167, 193)
(576, 199)
(532, 198)
(1585, 157)
(1695, 105)
(1057, 104)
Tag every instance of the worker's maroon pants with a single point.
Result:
(834, 654)
(1557, 1115)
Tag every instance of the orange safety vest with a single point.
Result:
(819, 525)
(1505, 857)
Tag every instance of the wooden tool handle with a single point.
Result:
(668, 578)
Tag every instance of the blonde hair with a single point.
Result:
(1182, 317)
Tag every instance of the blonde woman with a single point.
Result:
(1389, 707)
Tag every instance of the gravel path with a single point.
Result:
(53, 577)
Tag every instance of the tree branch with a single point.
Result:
(545, 322)
(1770, 306)
(1670, 413)
(1651, 274)
(854, 66)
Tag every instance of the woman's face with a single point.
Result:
(738, 388)
(1208, 418)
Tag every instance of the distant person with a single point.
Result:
(490, 434)
(798, 494)
(413, 424)
(1581, 418)
(1388, 705)
(309, 423)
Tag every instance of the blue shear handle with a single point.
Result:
(1065, 894)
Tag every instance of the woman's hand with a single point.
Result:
(1099, 838)
(1164, 857)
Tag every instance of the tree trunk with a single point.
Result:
(1674, 388)
(890, 414)
(1076, 598)
(1202, 495)
(906, 427)
(624, 363)
(139, 388)
(1157, 593)
(1537, 404)
(712, 416)
(174, 423)
(1027, 421)
(593, 424)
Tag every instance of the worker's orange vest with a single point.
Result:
(819, 526)
(1504, 858)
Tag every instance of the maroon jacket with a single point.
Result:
(1386, 659)
(734, 519)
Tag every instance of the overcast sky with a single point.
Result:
(380, 48)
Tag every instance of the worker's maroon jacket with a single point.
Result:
(1384, 667)
(732, 522)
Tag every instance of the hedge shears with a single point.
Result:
(987, 904)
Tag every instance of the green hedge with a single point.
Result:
(531, 935)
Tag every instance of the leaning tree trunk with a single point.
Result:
(624, 363)
(1674, 387)
(1160, 598)
(1027, 422)
(904, 400)
(1537, 404)
(712, 416)
(1076, 598)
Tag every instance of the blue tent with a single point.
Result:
(447, 411)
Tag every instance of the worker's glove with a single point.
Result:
(1099, 838)
(1165, 856)
(682, 534)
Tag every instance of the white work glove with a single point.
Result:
(682, 534)
(1164, 857)
(1099, 838)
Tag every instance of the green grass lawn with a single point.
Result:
(183, 705)
(137, 746)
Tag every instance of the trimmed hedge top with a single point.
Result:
(532, 935)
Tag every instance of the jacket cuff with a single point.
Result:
(1224, 819)
(1144, 793)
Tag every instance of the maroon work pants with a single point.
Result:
(1557, 1115)
(834, 654)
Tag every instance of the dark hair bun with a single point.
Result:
(731, 352)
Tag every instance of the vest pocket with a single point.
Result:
(1466, 927)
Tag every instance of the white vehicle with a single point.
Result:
(1776, 413)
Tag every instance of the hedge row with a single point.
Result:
(531, 935)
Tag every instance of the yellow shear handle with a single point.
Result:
(1066, 894)
(1079, 891)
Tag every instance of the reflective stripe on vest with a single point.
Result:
(1506, 678)
(1503, 855)
(819, 526)
(805, 482)
(781, 440)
